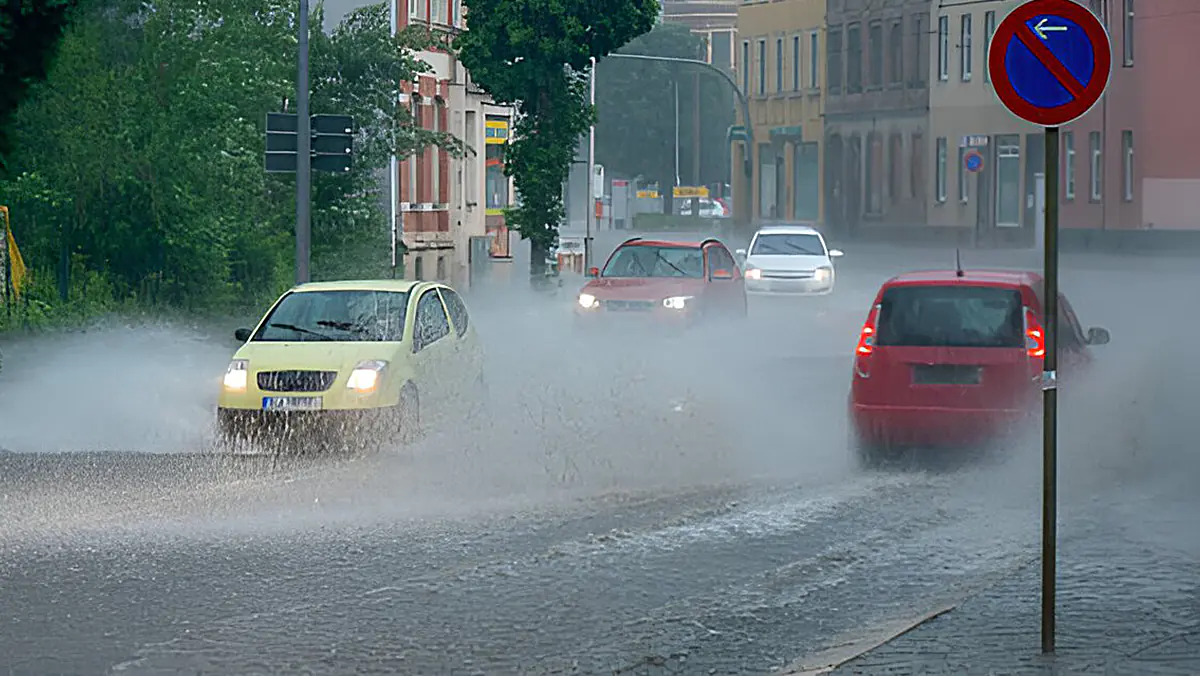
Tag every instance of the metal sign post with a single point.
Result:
(1050, 62)
(303, 147)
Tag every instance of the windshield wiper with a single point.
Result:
(801, 249)
(676, 268)
(297, 329)
(343, 326)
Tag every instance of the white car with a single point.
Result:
(789, 260)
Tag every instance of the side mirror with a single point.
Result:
(722, 274)
(836, 253)
(593, 272)
(241, 335)
(1098, 336)
(740, 252)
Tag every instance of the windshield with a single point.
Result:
(347, 316)
(951, 316)
(784, 244)
(655, 261)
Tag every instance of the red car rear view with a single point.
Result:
(954, 358)
(675, 282)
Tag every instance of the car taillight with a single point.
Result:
(1035, 337)
(866, 337)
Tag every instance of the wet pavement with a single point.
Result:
(621, 511)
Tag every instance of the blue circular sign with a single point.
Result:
(973, 161)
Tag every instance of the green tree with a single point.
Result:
(30, 31)
(635, 111)
(534, 54)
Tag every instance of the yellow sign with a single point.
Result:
(647, 194)
(16, 264)
(496, 131)
(690, 191)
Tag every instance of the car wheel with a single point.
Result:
(408, 412)
(868, 454)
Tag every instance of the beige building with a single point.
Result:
(780, 66)
(997, 202)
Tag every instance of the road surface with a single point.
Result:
(631, 508)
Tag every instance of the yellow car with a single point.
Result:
(350, 353)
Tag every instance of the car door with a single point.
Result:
(432, 346)
(727, 293)
(468, 357)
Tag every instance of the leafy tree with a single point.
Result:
(534, 54)
(140, 158)
(30, 30)
(635, 110)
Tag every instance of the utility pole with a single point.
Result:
(303, 153)
(696, 142)
(1050, 397)
(591, 169)
(393, 164)
(676, 133)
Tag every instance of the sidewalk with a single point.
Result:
(1128, 603)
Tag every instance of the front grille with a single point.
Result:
(788, 274)
(295, 381)
(629, 305)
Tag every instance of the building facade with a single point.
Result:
(780, 67)
(876, 114)
(1104, 184)
(443, 202)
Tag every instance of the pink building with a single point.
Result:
(1133, 162)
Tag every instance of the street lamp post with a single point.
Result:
(591, 169)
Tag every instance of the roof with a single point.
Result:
(977, 276)
(401, 285)
(790, 229)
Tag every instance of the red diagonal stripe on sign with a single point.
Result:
(1042, 53)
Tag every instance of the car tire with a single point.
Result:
(408, 413)
(868, 454)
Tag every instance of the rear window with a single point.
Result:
(951, 316)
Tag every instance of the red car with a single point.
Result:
(953, 358)
(679, 282)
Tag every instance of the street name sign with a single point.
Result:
(1050, 61)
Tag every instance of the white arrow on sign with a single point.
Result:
(1041, 28)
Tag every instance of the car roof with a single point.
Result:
(395, 285)
(996, 277)
(788, 229)
(678, 243)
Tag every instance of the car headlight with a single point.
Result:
(237, 375)
(823, 274)
(676, 302)
(753, 273)
(365, 377)
(588, 301)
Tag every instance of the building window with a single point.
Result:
(441, 268)
(796, 83)
(940, 178)
(745, 66)
(419, 268)
(470, 168)
(435, 161)
(1008, 181)
(440, 11)
(496, 183)
(1127, 30)
(1094, 5)
(1127, 163)
(417, 8)
(943, 48)
(854, 58)
(833, 59)
(721, 50)
(814, 59)
(779, 64)
(966, 50)
(1097, 167)
(920, 52)
(896, 52)
(1069, 165)
(895, 167)
(989, 29)
(875, 38)
(762, 67)
(964, 184)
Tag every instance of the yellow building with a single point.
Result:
(780, 66)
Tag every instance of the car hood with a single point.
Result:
(796, 262)
(618, 288)
(319, 356)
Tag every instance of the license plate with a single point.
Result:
(945, 374)
(291, 403)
